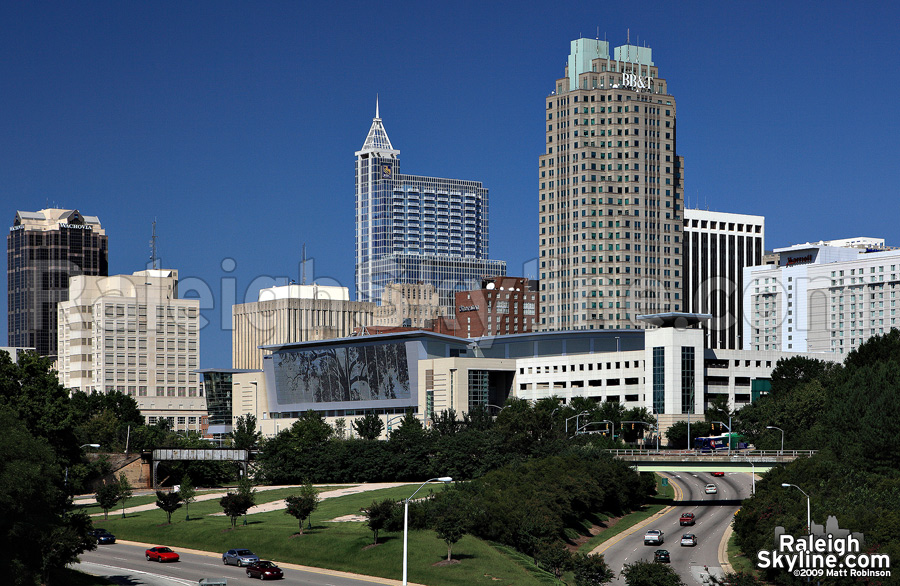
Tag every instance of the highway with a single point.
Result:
(713, 514)
(124, 563)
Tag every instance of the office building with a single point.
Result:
(293, 313)
(611, 193)
(44, 249)
(502, 306)
(132, 334)
(717, 247)
(412, 229)
(408, 305)
(827, 296)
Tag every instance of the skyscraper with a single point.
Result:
(717, 247)
(44, 249)
(413, 229)
(611, 193)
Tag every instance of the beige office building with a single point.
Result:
(408, 305)
(131, 333)
(611, 194)
(293, 313)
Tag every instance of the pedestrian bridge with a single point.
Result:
(695, 461)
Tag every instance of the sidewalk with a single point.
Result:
(269, 506)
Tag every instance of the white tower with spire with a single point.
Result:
(412, 229)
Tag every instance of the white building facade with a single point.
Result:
(131, 333)
(822, 297)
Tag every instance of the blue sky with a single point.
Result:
(234, 124)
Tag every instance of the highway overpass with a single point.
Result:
(695, 461)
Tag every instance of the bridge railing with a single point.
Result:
(735, 454)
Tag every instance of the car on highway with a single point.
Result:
(711, 489)
(718, 474)
(103, 536)
(653, 537)
(689, 540)
(661, 556)
(161, 553)
(687, 519)
(239, 557)
(264, 570)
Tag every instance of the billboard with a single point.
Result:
(348, 377)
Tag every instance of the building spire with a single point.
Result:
(377, 139)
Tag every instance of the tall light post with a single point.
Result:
(729, 432)
(444, 479)
(808, 518)
(781, 452)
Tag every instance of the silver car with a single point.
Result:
(239, 557)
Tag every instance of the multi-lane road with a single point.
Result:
(713, 514)
(124, 563)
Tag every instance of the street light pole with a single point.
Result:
(444, 479)
(808, 518)
(781, 453)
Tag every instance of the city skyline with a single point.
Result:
(234, 126)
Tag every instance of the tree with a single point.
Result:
(554, 556)
(369, 427)
(446, 423)
(642, 573)
(379, 515)
(188, 494)
(38, 531)
(107, 496)
(451, 518)
(245, 436)
(234, 505)
(125, 491)
(591, 570)
(168, 502)
(302, 505)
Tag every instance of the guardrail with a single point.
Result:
(737, 455)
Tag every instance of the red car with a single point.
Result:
(161, 554)
(718, 474)
(264, 570)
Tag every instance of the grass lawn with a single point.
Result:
(738, 560)
(664, 498)
(339, 546)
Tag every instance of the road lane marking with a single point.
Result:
(118, 569)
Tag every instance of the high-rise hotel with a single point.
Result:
(414, 229)
(611, 193)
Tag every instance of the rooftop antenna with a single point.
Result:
(303, 263)
(376, 107)
(154, 259)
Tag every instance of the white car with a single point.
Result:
(711, 489)
(653, 537)
(689, 539)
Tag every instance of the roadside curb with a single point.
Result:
(323, 571)
(723, 550)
